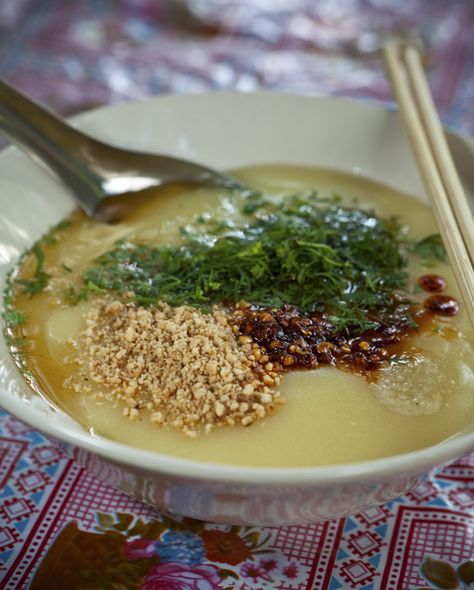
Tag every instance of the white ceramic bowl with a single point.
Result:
(225, 131)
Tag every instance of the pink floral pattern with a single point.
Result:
(255, 571)
(291, 571)
(269, 564)
(178, 576)
(160, 554)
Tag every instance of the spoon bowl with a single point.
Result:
(95, 172)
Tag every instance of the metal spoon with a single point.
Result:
(93, 170)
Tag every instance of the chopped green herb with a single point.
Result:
(13, 318)
(17, 346)
(64, 224)
(305, 251)
(51, 237)
(40, 278)
(66, 267)
(73, 296)
(416, 289)
(253, 202)
(431, 249)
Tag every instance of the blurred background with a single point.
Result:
(74, 55)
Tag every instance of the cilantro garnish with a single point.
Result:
(305, 251)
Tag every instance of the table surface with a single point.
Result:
(59, 526)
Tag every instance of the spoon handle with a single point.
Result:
(91, 169)
(49, 140)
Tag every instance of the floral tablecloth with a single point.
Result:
(61, 528)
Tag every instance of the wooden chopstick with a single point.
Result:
(439, 147)
(435, 163)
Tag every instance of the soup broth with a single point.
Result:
(331, 416)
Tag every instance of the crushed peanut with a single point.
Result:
(185, 367)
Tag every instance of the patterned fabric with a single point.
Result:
(61, 528)
(76, 55)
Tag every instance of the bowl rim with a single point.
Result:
(149, 461)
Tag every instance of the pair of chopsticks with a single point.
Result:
(435, 163)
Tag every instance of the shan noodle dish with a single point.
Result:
(311, 319)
